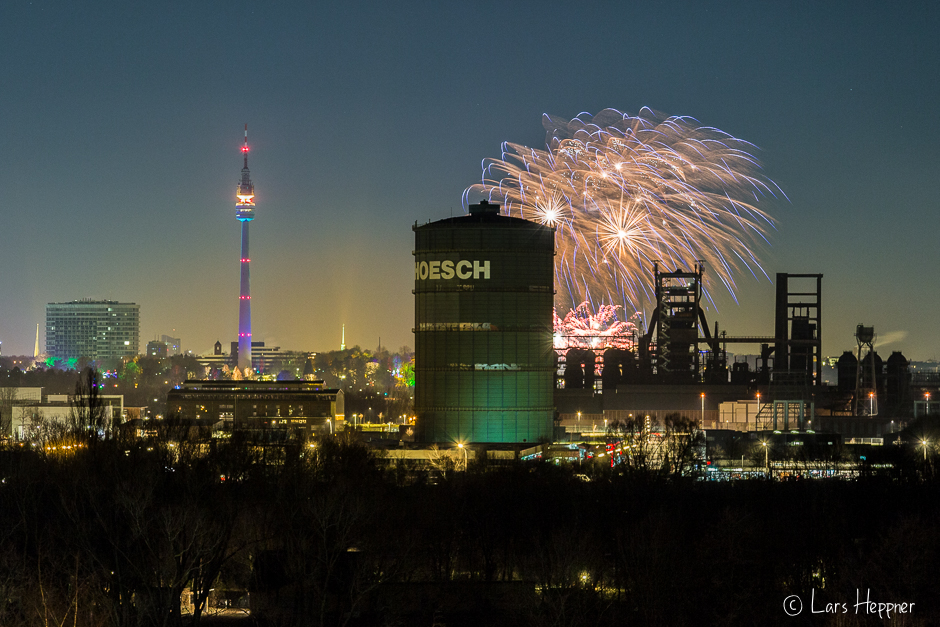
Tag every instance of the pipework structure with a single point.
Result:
(245, 213)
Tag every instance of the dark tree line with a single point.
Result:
(113, 533)
(98, 528)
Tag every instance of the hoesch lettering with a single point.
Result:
(447, 269)
(433, 270)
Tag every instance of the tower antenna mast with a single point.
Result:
(245, 213)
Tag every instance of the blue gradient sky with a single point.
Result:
(121, 124)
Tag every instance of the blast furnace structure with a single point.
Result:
(483, 329)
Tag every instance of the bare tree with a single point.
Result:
(656, 451)
(87, 415)
(681, 439)
(442, 461)
(7, 399)
(637, 451)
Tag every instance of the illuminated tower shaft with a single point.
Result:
(244, 305)
(245, 212)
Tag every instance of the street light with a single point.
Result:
(330, 420)
(703, 410)
(766, 459)
(927, 398)
(757, 415)
(924, 442)
(871, 403)
(464, 449)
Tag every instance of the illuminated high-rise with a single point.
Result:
(95, 329)
(245, 212)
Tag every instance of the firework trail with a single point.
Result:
(624, 191)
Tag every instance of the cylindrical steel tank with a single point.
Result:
(847, 367)
(484, 364)
(897, 382)
(612, 374)
(867, 382)
(574, 369)
(619, 369)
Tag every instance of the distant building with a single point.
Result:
(268, 408)
(217, 358)
(172, 345)
(156, 348)
(95, 329)
(16, 395)
(263, 356)
(272, 360)
(166, 346)
(264, 359)
(34, 414)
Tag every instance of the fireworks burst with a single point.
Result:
(624, 191)
(580, 328)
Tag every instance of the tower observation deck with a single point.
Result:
(245, 213)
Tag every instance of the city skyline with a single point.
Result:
(121, 132)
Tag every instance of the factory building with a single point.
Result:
(267, 409)
(94, 329)
(679, 366)
(483, 329)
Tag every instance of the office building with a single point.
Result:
(94, 329)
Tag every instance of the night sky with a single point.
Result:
(122, 123)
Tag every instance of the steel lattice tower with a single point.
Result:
(245, 212)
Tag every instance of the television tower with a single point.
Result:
(245, 212)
